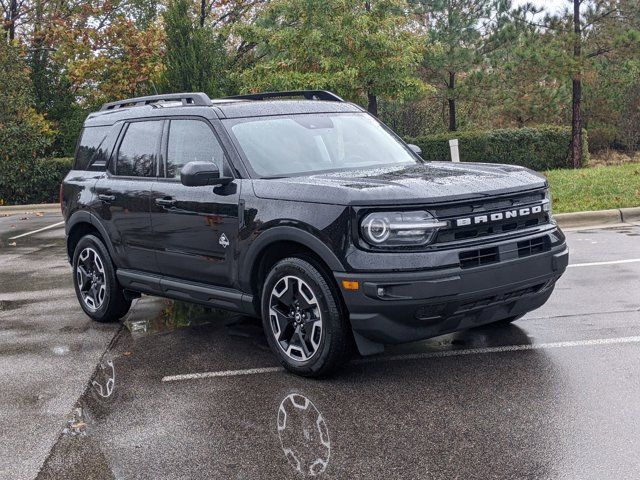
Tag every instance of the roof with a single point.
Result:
(260, 108)
(255, 105)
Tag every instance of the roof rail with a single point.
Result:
(307, 94)
(198, 98)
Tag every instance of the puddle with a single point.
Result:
(103, 383)
(6, 305)
(245, 327)
(78, 453)
(76, 424)
(304, 435)
(175, 314)
(61, 350)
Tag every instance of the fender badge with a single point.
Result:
(224, 241)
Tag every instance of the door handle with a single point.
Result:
(165, 202)
(106, 198)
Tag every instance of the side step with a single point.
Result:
(178, 289)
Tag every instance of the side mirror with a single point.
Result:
(415, 149)
(199, 174)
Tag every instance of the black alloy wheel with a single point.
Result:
(295, 318)
(97, 288)
(90, 278)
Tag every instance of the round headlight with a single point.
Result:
(378, 229)
(410, 228)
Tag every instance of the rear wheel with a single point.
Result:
(96, 285)
(302, 319)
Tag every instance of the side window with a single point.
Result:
(89, 146)
(138, 150)
(189, 141)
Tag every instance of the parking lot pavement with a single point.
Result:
(48, 348)
(552, 396)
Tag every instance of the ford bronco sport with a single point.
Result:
(308, 213)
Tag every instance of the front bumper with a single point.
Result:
(391, 308)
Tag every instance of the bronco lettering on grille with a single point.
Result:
(506, 215)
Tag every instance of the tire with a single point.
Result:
(303, 320)
(94, 278)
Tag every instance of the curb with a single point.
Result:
(41, 207)
(630, 214)
(598, 217)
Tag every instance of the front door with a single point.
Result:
(196, 228)
(124, 195)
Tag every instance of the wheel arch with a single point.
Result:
(282, 242)
(82, 223)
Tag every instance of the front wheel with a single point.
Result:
(302, 319)
(96, 285)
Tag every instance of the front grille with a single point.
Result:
(478, 258)
(533, 246)
(478, 231)
(491, 209)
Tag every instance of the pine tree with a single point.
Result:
(195, 58)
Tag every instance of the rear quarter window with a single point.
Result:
(90, 146)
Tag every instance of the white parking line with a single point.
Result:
(420, 356)
(49, 227)
(612, 262)
(223, 373)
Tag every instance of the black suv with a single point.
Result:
(308, 213)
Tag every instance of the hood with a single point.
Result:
(431, 182)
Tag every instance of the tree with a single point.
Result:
(461, 33)
(105, 53)
(195, 56)
(12, 12)
(523, 82)
(24, 134)
(361, 50)
(593, 29)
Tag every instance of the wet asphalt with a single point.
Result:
(553, 396)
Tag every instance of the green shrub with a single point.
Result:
(541, 148)
(604, 138)
(35, 181)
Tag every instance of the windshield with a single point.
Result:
(293, 144)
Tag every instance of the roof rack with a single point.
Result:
(307, 94)
(198, 98)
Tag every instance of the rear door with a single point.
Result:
(124, 194)
(196, 228)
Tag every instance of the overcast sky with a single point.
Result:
(552, 6)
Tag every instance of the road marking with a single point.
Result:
(49, 227)
(421, 356)
(588, 314)
(612, 262)
(224, 373)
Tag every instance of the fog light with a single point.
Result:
(381, 292)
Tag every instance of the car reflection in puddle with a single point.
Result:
(104, 380)
(144, 319)
(99, 395)
(174, 315)
(304, 435)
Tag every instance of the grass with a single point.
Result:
(595, 188)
